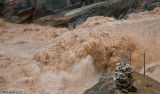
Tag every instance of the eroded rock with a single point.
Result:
(112, 8)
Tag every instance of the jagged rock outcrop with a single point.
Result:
(106, 85)
(76, 17)
(70, 14)
(113, 8)
(20, 10)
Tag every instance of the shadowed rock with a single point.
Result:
(112, 8)
(46, 10)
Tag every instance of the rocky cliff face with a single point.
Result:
(12, 9)
(21, 10)
(112, 8)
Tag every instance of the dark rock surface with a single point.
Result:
(2, 3)
(112, 8)
(49, 7)
(40, 8)
(18, 10)
(70, 15)
(107, 85)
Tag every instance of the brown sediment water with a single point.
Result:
(46, 60)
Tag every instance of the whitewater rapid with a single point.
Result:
(46, 60)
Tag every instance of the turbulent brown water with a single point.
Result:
(46, 60)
